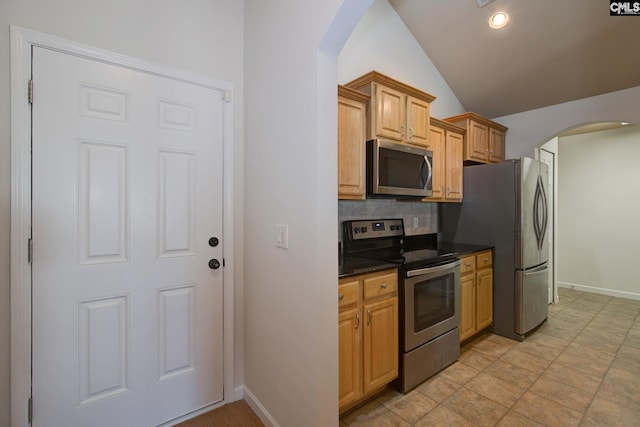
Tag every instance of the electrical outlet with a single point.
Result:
(282, 236)
(415, 222)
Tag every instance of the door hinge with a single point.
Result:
(226, 95)
(30, 251)
(30, 91)
(30, 410)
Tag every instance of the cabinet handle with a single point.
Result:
(368, 317)
(340, 297)
(384, 285)
(468, 264)
(357, 320)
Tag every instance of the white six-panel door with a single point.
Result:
(127, 193)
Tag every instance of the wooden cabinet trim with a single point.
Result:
(476, 118)
(353, 94)
(447, 126)
(376, 77)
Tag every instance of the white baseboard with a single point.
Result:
(259, 408)
(603, 291)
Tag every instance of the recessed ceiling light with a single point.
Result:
(498, 20)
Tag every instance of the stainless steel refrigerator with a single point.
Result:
(506, 205)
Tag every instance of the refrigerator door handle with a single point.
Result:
(545, 216)
(536, 213)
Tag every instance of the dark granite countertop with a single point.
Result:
(461, 249)
(352, 265)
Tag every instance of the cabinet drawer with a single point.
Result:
(381, 285)
(467, 264)
(484, 259)
(348, 293)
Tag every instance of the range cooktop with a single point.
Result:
(385, 240)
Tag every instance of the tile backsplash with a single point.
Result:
(427, 213)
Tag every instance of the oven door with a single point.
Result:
(431, 300)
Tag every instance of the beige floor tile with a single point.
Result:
(514, 419)
(622, 387)
(553, 328)
(539, 350)
(411, 407)
(605, 321)
(475, 407)
(512, 374)
(526, 361)
(586, 365)
(545, 411)
(475, 359)
(438, 388)
(492, 345)
(591, 349)
(604, 344)
(563, 394)
(572, 377)
(632, 339)
(368, 411)
(606, 413)
(610, 334)
(549, 340)
(442, 416)
(459, 373)
(495, 389)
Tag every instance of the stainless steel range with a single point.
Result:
(429, 294)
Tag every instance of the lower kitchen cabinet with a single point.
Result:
(368, 335)
(476, 293)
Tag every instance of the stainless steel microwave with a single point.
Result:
(397, 170)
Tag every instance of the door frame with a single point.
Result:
(22, 41)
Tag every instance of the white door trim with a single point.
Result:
(22, 41)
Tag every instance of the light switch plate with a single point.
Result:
(282, 236)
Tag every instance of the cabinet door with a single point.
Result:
(352, 122)
(437, 146)
(467, 306)
(496, 145)
(418, 113)
(380, 343)
(390, 113)
(350, 356)
(484, 290)
(454, 147)
(477, 142)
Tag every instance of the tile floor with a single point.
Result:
(580, 368)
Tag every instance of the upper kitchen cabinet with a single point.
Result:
(484, 139)
(397, 111)
(352, 122)
(446, 141)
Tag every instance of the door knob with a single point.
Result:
(214, 264)
(213, 242)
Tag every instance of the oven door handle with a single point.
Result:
(436, 269)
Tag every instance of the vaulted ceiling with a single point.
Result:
(552, 51)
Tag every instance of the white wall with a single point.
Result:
(532, 128)
(291, 354)
(383, 43)
(201, 36)
(599, 207)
